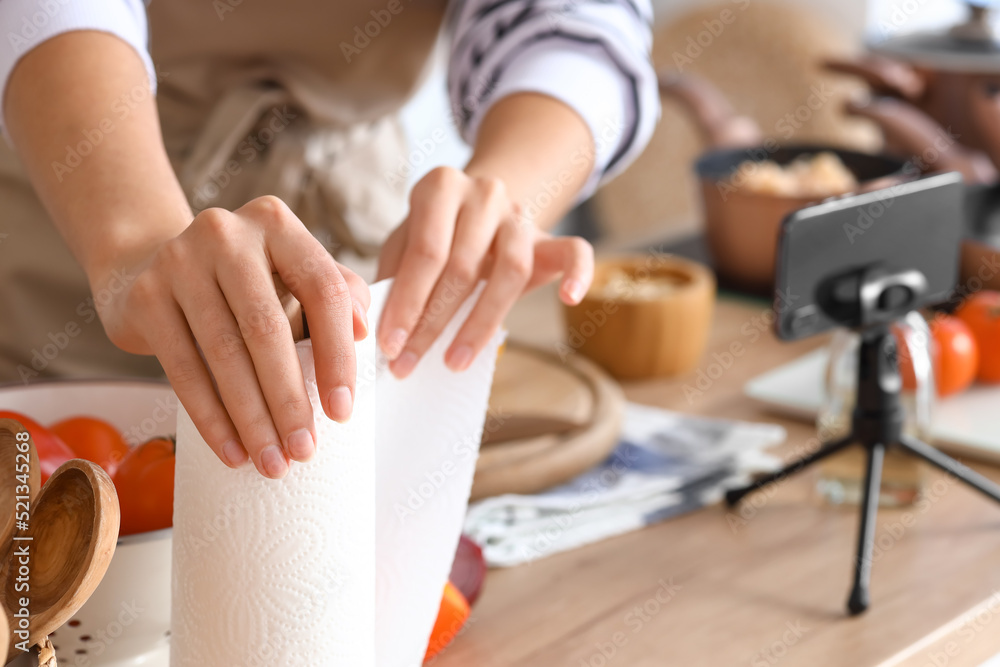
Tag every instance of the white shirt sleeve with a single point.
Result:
(24, 24)
(592, 55)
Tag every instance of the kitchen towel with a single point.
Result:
(343, 562)
(666, 463)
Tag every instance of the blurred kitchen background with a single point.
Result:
(765, 62)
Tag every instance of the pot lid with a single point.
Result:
(972, 46)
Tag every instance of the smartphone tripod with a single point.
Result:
(877, 423)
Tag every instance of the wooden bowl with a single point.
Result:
(644, 316)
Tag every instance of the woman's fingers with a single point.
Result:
(458, 228)
(327, 298)
(223, 329)
(360, 295)
(176, 350)
(570, 256)
(512, 267)
(270, 404)
(434, 206)
(233, 310)
(361, 299)
(475, 230)
(523, 259)
(391, 253)
(214, 305)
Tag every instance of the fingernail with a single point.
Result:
(460, 358)
(575, 290)
(301, 445)
(363, 317)
(340, 404)
(273, 461)
(234, 453)
(394, 343)
(404, 364)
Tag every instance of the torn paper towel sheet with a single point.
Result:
(343, 562)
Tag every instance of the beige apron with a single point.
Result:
(296, 98)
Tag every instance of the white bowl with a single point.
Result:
(126, 622)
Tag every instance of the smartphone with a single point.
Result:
(868, 258)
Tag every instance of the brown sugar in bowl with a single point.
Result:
(644, 316)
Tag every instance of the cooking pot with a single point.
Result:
(742, 225)
(938, 105)
(951, 77)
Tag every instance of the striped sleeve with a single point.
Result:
(27, 23)
(593, 55)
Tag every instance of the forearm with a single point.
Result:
(540, 148)
(83, 121)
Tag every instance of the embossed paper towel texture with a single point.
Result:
(343, 562)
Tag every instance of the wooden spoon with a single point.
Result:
(70, 539)
(14, 482)
(4, 627)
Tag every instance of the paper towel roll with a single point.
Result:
(343, 562)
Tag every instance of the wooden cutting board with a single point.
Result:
(532, 382)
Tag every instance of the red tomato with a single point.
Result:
(981, 312)
(93, 439)
(452, 615)
(957, 355)
(145, 484)
(52, 451)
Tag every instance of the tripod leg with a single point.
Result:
(733, 496)
(948, 464)
(858, 601)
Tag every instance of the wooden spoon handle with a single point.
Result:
(47, 653)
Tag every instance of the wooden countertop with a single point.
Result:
(705, 590)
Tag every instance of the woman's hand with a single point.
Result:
(461, 229)
(207, 304)
(208, 284)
